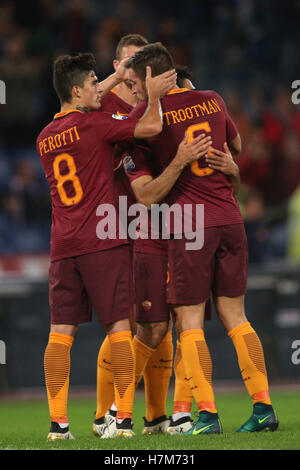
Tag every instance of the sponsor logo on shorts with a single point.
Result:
(146, 305)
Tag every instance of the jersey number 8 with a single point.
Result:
(70, 176)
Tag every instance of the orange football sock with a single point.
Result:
(251, 362)
(183, 397)
(105, 379)
(142, 354)
(198, 367)
(123, 367)
(57, 364)
(157, 376)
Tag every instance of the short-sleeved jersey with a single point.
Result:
(195, 112)
(142, 163)
(75, 152)
(133, 165)
(113, 104)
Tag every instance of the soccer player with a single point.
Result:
(221, 265)
(151, 266)
(121, 101)
(159, 354)
(87, 270)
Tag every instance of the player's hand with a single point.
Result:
(158, 86)
(222, 161)
(121, 72)
(189, 152)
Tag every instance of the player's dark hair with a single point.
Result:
(183, 73)
(155, 55)
(130, 40)
(70, 71)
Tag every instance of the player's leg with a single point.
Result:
(105, 390)
(69, 307)
(183, 397)
(157, 376)
(230, 287)
(189, 289)
(57, 364)
(153, 343)
(105, 383)
(113, 303)
(251, 362)
(123, 368)
(198, 366)
(154, 353)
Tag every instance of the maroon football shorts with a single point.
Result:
(220, 267)
(102, 280)
(150, 276)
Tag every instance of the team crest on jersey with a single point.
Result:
(146, 305)
(128, 164)
(120, 117)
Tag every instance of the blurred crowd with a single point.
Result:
(244, 49)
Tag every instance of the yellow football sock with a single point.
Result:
(157, 376)
(123, 367)
(105, 379)
(142, 354)
(251, 362)
(198, 367)
(183, 397)
(57, 370)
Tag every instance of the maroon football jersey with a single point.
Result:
(141, 163)
(75, 151)
(195, 112)
(113, 104)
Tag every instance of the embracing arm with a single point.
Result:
(151, 123)
(223, 162)
(151, 191)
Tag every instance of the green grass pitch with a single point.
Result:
(24, 425)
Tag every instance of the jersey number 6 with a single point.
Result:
(190, 131)
(70, 176)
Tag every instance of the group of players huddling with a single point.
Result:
(145, 132)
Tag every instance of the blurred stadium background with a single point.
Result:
(247, 50)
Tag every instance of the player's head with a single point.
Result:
(184, 77)
(127, 46)
(157, 57)
(75, 80)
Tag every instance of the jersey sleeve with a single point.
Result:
(113, 127)
(135, 164)
(138, 110)
(231, 129)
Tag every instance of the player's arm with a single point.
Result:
(114, 79)
(151, 123)
(151, 191)
(235, 146)
(224, 162)
(232, 135)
